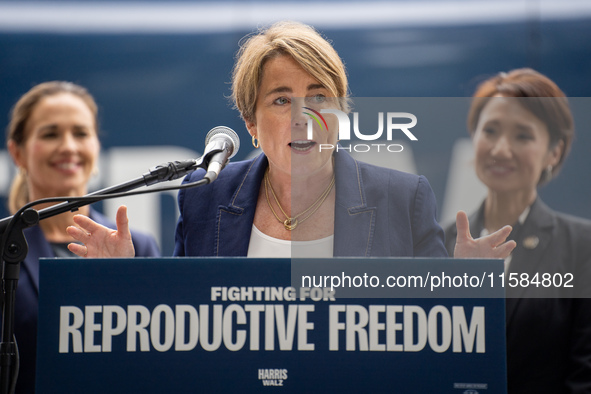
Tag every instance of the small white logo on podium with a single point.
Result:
(273, 377)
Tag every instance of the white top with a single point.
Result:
(521, 220)
(261, 245)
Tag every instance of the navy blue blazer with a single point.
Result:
(378, 212)
(549, 338)
(27, 294)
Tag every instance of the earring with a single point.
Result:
(94, 171)
(548, 173)
(255, 143)
(22, 172)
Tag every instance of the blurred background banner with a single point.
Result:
(160, 73)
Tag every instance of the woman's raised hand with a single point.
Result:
(492, 246)
(100, 241)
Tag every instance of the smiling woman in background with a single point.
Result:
(52, 138)
(522, 129)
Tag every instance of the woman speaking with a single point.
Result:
(295, 200)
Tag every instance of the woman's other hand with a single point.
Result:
(99, 241)
(492, 246)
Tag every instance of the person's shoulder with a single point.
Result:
(569, 233)
(382, 174)
(578, 224)
(374, 169)
(543, 215)
(400, 188)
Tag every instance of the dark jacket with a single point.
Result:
(378, 212)
(548, 328)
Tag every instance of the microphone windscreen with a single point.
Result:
(223, 131)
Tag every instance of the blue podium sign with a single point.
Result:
(201, 325)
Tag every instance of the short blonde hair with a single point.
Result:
(304, 44)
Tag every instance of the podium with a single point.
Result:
(188, 325)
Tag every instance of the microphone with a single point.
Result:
(221, 144)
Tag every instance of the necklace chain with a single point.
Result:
(291, 223)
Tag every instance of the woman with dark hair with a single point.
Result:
(522, 130)
(53, 139)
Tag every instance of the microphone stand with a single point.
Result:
(14, 247)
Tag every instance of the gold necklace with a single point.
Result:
(291, 223)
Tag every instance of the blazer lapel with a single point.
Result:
(235, 218)
(532, 242)
(354, 221)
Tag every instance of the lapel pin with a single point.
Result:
(531, 242)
